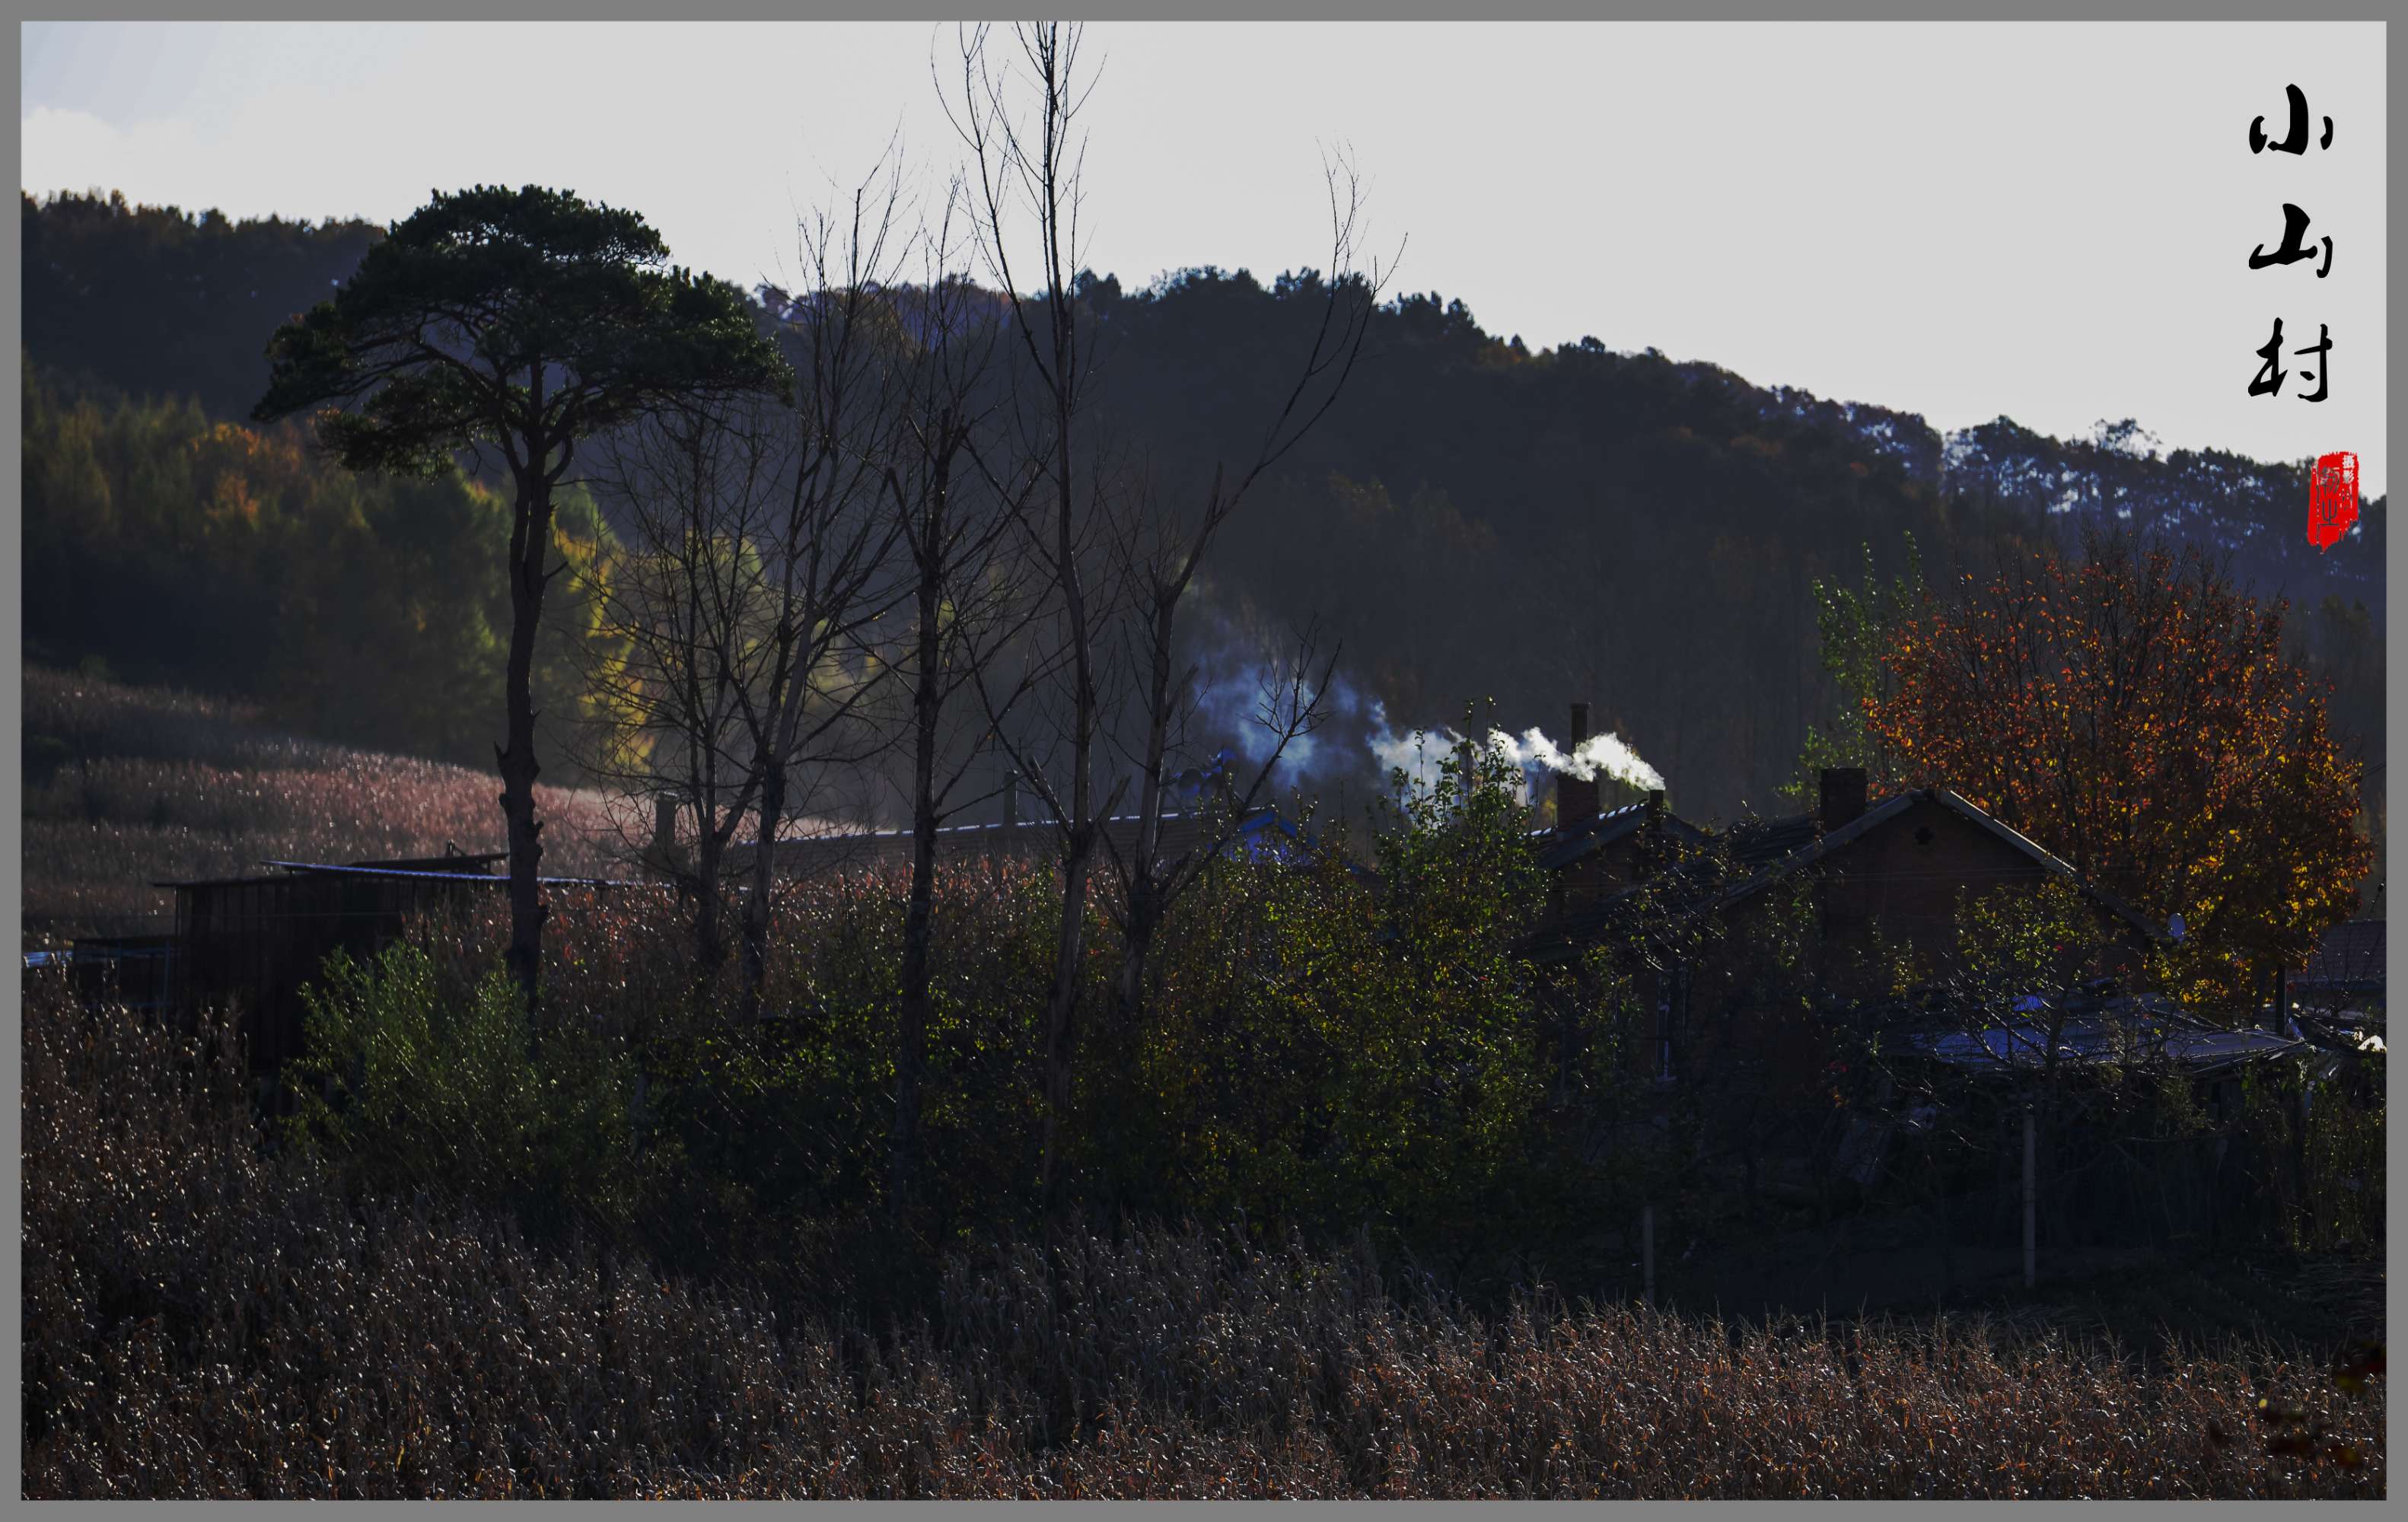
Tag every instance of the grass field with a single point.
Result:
(127, 786)
(201, 1319)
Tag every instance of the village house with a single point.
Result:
(1883, 882)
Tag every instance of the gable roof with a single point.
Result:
(1568, 845)
(1766, 852)
(1264, 833)
(1855, 829)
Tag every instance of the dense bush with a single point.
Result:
(2316, 1131)
(413, 1086)
(1312, 1057)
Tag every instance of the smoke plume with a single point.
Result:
(1419, 753)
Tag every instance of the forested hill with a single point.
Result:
(153, 302)
(1476, 521)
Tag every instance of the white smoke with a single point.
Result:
(1608, 755)
(1420, 753)
(1246, 700)
(1417, 754)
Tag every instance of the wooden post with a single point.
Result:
(2031, 1197)
(1004, 846)
(1647, 1250)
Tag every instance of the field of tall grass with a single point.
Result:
(126, 787)
(206, 1317)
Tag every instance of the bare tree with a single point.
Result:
(1100, 538)
(966, 600)
(763, 556)
(1158, 548)
(695, 486)
(830, 552)
(1032, 167)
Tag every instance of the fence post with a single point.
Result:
(2031, 1196)
(1647, 1250)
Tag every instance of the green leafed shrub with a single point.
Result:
(414, 1084)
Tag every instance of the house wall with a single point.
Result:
(251, 945)
(1903, 880)
(1608, 870)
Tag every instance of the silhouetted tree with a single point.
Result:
(526, 321)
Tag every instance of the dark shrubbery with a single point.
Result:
(202, 1319)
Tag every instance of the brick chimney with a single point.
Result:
(1575, 799)
(1844, 795)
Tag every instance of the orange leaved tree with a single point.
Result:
(2135, 714)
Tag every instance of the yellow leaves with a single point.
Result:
(231, 502)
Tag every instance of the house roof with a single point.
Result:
(294, 871)
(2117, 1031)
(1763, 852)
(1262, 832)
(1584, 838)
(1758, 842)
(2349, 959)
(1817, 848)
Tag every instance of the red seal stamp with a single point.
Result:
(2333, 498)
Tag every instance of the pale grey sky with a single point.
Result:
(2048, 222)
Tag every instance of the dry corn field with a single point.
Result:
(138, 786)
(203, 1320)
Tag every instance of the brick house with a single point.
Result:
(1876, 875)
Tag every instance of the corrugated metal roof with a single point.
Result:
(489, 879)
(2127, 1030)
(1181, 832)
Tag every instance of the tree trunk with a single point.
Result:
(1947, 1237)
(530, 538)
(1078, 838)
(918, 912)
(709, 945)
(756, 902)
(1144, 908)
(1061, 1002)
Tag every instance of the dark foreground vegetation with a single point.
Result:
(204, 1319)
(636, 1251)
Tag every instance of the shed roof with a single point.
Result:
(2121, 1030)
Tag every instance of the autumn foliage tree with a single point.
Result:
(2135, 714)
